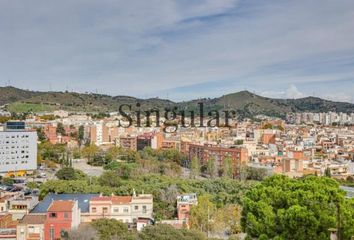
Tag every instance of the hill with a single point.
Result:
(12, 94)
(245, 103)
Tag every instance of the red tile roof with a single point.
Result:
(121, 199)
(33, 219)
(113, 199)
(101, 198)
(61, 206)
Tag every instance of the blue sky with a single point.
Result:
(180, 49)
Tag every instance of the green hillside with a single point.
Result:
(245, 103)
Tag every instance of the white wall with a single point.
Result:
(18, 151)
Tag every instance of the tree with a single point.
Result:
(40, 134)
(112, 153)
(111, 228)
(60, 129)
(52, 152)
(227, 169)
(81, 134)
(227, 219)
(110, 178)
(167, 232)
(201, 214)
(327, 172)
(32, 185)
(211, 167)
(7, 181)
(284, 208)
(69, 173)
(84, 232)
(253, 173)
(195, 168)
(89, 151)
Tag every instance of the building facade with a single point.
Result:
(18, 150)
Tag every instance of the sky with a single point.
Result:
(180, 49)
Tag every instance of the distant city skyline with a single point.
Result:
(180, 50)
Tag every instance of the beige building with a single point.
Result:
(124, 208)
(31, 227)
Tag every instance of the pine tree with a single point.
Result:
(211, 167)
(227, 168)
(194, 168)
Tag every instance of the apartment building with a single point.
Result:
(103, 134)
(239, 156)
(128, 142)
(18, 148)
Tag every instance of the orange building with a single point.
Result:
(184, 204)
(6, 221)
(169, 144)
(268, 138)
(50, 132)
(62, 216)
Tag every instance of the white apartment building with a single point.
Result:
(18, 151)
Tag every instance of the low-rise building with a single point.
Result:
(62, 216)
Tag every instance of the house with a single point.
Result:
(124, 208)
(31, 227)
(22, 205)
(62, 216)
(82, 199)
(184, 204)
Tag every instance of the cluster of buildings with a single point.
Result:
(26, 218)
(327, 118)
(273, 144)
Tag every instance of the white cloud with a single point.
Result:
(293, 92)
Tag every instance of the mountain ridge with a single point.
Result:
(244, 103)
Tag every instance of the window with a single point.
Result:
(51, 233)
(105, 210)
(94, 210)
(144, 209)
(136, 207)
(126, 210)
(53, 215)
(66, 215)
(116, 210)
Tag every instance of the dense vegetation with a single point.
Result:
(111, 229)
(284, 208)
(165, 189)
